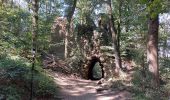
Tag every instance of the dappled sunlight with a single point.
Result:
(84, 50)
(113, 96)
(80, 89)
(153, 58)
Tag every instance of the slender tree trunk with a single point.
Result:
(113, 31)
(34, 38)
(118, 35)
(119, 23)
(69, 18)
(152, 49)
(119, 28)
(66, 45)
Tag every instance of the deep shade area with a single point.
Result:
(91, 65)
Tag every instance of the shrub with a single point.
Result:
(10, 92)
(15, 78)
(143, 88)
(44, 85)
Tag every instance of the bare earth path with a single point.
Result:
(79, 89)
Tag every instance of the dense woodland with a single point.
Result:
(121, 45)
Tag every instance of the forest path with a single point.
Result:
(72, 88)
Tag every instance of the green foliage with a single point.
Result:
(154, 7)
(97, 71)
(140, 96)
(44, 85)
(137, 55)
(75, 62)
(15, 76)
(140, 82)
(16, 39)
(143, 1)
(143, 87)
(13, 69)
(164, 74)
(142, 79)
(12, 93)
(14, 35)
(15, 28)
(164, 65)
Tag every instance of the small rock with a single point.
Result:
(100, 81)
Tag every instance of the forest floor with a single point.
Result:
(72, 88)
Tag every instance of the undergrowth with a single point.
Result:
(15, 78)
(143, 88)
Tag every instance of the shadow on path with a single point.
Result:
(79, 89)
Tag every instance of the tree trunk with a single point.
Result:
(34, 38)
(119, 29)
(69, 18)
(115, 46)
(66, 45)
(152, 49)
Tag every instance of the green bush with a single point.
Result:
(10, 92)
(142, 78)
(164, 65)
(143, 88)
(75, 62)
(15, 78)
(44, 85)
(13, 69)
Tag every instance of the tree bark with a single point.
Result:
(152, 49)
(69, 18)
(115, 43)
(119, 28)
(34, 40)
(66, 45)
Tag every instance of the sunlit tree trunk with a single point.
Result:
(69, 18)
(34, 39)
(113, 31)
(66, 45)
(152, 48)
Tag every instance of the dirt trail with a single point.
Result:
(79, 89)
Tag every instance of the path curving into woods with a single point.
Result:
(72, 88)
